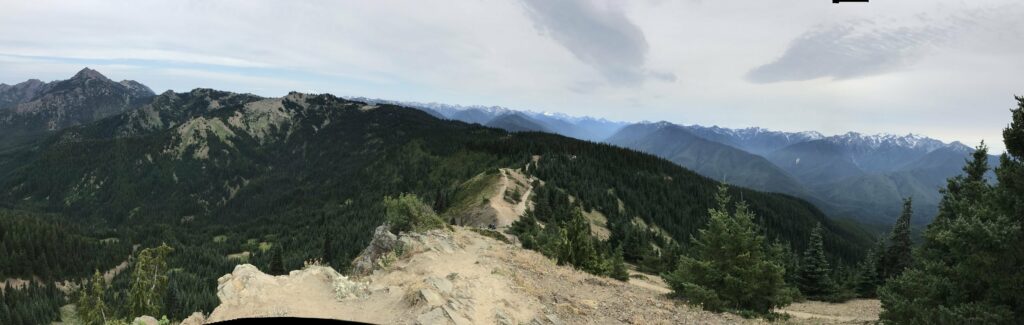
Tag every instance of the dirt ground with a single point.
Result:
(857, 311)
(461, 277)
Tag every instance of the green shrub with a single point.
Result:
(408, 213)
(730, 268)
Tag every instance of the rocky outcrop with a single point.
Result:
(22, 92)
(247, 292)
(382, 244)
(450, 277)
(34, 109)
(196, 318)
(385, 248)
(145, 320)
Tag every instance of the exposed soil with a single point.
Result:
(461, 277)
(857, 311)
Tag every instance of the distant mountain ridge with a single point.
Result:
(580, 127)
(755, 140)
(706, 157)
(32, 109)
(208, 158)
(847, 173)
(850, 175)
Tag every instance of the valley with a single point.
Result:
(537, 227)
(851, 176)
(511, 162)
(215, 173)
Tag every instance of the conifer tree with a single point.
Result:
(619, 270)
(898, 255)
(869, 272)
(968, 267)
(276, 262)
(578, 245)
(328, 244)
(814, 280)
(90, 308)
(730, 268)
(149, 281)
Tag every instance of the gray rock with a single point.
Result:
(455, 317)
(145, 320)
(431, 297)
(196, 318)
(442, 284)
(554, 319)
(383, 242)
(433, 317)
(502, 318)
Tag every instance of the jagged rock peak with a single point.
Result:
(137, 87)
(87, 73)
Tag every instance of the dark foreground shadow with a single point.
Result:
(286, 320)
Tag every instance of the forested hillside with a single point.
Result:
(43, 246)
(709, 158)
(225, 178)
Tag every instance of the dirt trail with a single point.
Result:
(511, 181)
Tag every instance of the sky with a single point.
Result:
(943, 68)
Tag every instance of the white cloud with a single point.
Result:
(946, 68)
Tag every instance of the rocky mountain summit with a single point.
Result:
(455, 276)
(33, 109)
(467, 276)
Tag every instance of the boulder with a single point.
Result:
(383, 242)
(441, 284)
(196, 318)
(431, 297)
(145, 320)
(433, 317)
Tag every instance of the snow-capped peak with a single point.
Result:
(875, 141)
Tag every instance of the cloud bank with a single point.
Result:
(598, 34)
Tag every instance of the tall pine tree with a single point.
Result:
(869, 275)
(276, 266)
(897, 256)
(730, 268)
(968, 267)
(91, 308)
(814, 279)
(149, 281)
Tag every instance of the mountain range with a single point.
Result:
(583, 128)
(856, 176)
(852, 175)
(211, 157)
(34, 109)
(229, 178)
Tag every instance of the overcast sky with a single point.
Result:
(942, 68)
